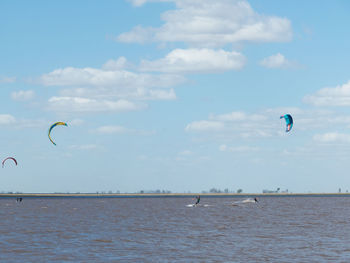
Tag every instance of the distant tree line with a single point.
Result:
(225, 191)
(158, 191)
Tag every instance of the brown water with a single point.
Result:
(277, 229)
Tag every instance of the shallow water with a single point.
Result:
(277, 229)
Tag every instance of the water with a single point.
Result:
(277, 229)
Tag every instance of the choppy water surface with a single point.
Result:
(277, 229)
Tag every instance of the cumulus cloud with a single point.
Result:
(117, 129)
(239, 149)
(236, 124)
(13, 122)
(276, 61)
(4, 79)
(266, 123)
(116, 83)
(316, 120)
(7, 119)
(116, 64)
(77, 104)
(195, 61)
(246, 125)
(142, 2)
(126, 94)
(186, 153)
(91, 77)
(106, 94)
(138, 2)
(212, 24)
(113, 129)
(23, 95)
(336, 96)
(205, 126)
(237, 116)
(110, 88)
(332, 137)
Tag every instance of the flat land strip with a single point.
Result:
(152, 195)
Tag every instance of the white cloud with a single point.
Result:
(276, 61)
(267, 124)
(7, 79)
(129, 94)
(106, 85)
(205, 126)
(108, 89)
(237, 116)
(117, 129)
(29, 123)
(186, 153)
(10, 121)
(212, 24)
(113, 129)
(232, 116)
(23, 95)
(246, 125)
(337, 96)
(138, 34)
(322, 120)
(122, 79)
(138, 2)
(118, 64)
(142, 2)
(160, 95)
(332, 137)
(237, 124)
(78, 104)
(239, 149)
(195, 61)
(7, 119)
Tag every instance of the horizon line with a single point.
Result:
(132, 195)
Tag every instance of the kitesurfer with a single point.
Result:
(198, 200)
(256, 200)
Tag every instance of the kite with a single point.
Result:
(8, 158)
(289, 122)
(53, 126)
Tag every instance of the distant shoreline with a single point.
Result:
(172, 195)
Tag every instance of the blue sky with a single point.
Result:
(175, 94)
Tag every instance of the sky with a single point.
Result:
(179, 95)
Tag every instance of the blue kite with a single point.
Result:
(289, 121)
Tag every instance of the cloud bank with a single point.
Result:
(110, 88)
(210, 23)
(195, 61)
(336, 96)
